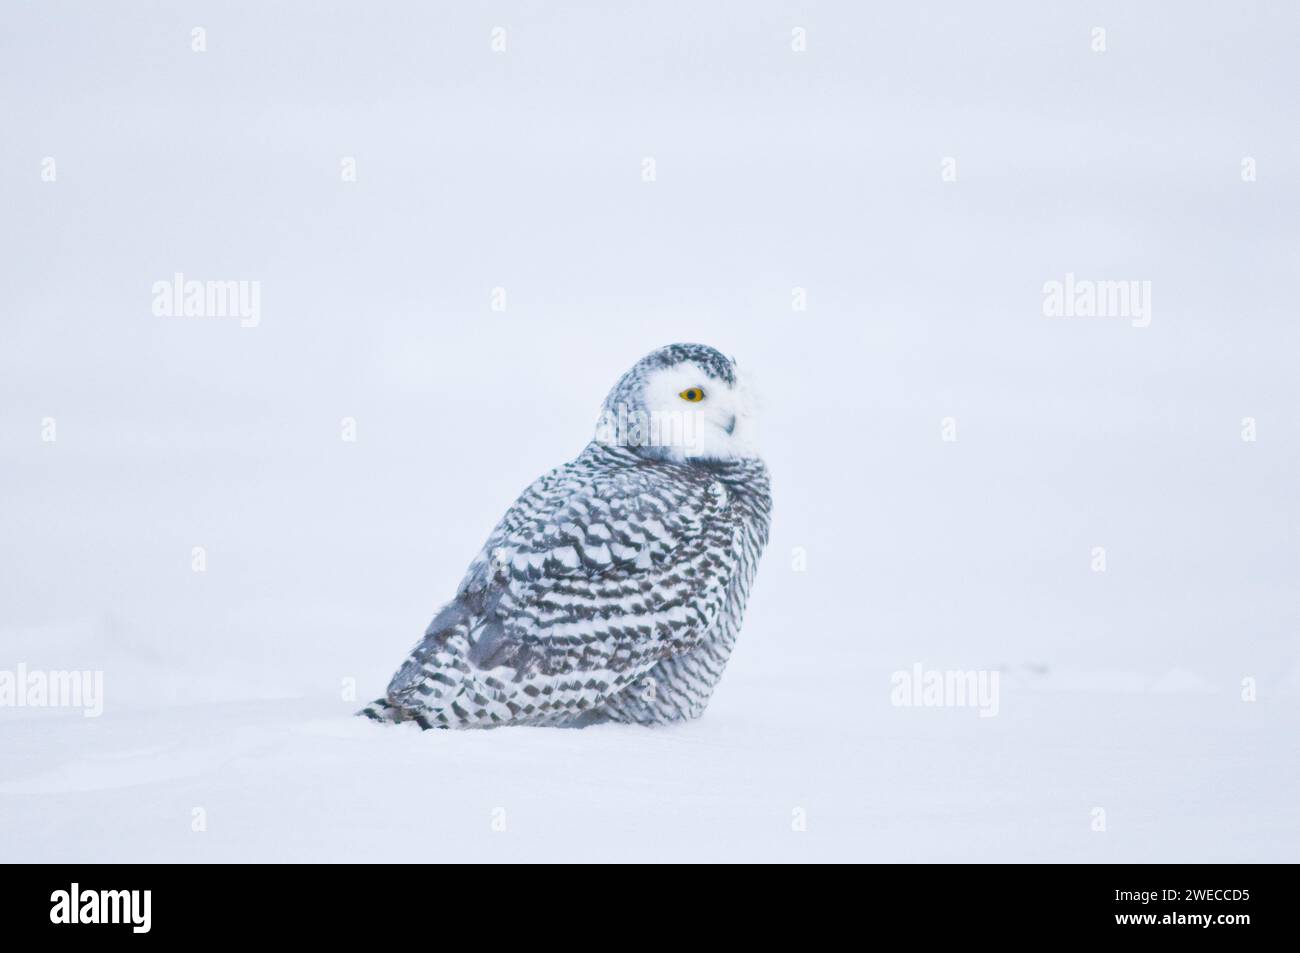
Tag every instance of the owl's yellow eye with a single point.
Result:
(693, 394)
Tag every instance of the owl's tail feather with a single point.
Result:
(382, 710)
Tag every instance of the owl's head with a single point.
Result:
(683, 402)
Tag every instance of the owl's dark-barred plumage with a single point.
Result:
(613, 588)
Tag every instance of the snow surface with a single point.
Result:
(1182, 776)
(225, 690)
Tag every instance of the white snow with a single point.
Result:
(1184, 772)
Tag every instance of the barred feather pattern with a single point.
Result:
(612, 590)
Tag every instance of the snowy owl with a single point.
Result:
(613, 588)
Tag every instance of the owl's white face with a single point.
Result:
(700, 417)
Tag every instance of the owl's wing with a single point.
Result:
(586, 584)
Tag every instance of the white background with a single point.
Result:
(325, 559)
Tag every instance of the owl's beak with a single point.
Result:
(731, 425)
